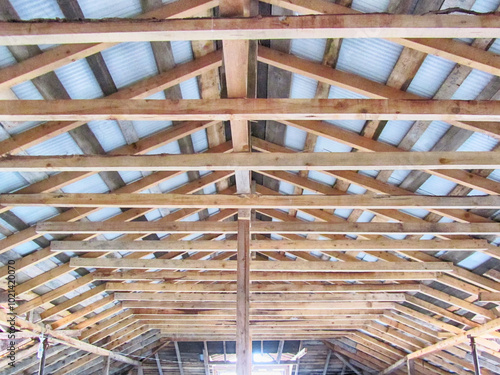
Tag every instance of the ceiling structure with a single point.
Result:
(310, 224)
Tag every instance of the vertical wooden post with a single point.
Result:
(205, 358)
(327, 362)
(410, 364)
(298, 359)
(243, 339)
(280, 351)
(179, 359)
(225, 352)
(158, 364)
(140, 370)
(44, 343)
(108, 365)
(475, 358)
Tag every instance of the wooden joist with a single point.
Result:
(326, 161)
(282, 245)
(279, 266)
(268, 27)
(252, 109)
(249, 201)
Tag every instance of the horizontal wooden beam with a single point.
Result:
(328, 161)
(291, 27)
(176, 288)
(23, 324)
(273, 297)
(251, 201)
(270, 245)
(489, 297)
(195, 276)
(249, 109)
(319, 266)
(268, 227)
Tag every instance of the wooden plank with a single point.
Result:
(254, 109)
(243, 201)
(255, 28)
(268, 228)
(260, 276)
(318, 266)
(243, 333)
(489, 297)
(259, 162)
(331, 245)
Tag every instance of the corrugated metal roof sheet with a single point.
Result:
(92, 184)
(431, 136)
(430, 76)
(79, 81)
(302, 87)
(309, 49)
(370, 6)
(11, 181)
(146, 128)
(394, 132)
(485, 5)
(108, 133)
(472, 86)
(29, 9)
(436, 186)
(103, 9)
(6, 57)
(61, 145)
(370, 58)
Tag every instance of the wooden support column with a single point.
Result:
(44, 343)
(410, 364)
(179, 359)
(158, 364)
(477, 369)
(280, 351)
(243, 338)
(327, 362)
(298, 359)
(205, 357)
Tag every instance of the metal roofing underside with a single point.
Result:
(128, 63)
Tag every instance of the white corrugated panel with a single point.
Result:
(170, 148)
(79, 81)
(370, 58)
(91, 184)
(61, 145)
(200, 140)
(104, 214)
(26, 248)
(302, 87)
(146, 128)
(27, 91)
(304, 216)
(321, 177)
(355, 189)
(173, 183)
(153, 215)
(103, 9)
(295, 138)
(108, 133)
(182, 51)
(286, 188)
(365, 217)
(474, 260)
(130, 176)
(431, 75)
(31, 215)
(344, 213)
(370, 6)
(327, 145)
(417, 212)
(495, 175)
(431, 136)
(130, 62)
(394, 132)
(309, 49)
(194, 217)
(436, 186)
(189, 89)
(210, 189)
(479, 142)
(485, 5)
(398, 176)
(160, 95)
(30, 9)
(6, 57)
(472, 86)
(476, 192)
(11, 181)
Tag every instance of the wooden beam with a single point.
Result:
(259, 276)
(272, 245)
(252, 109)
(322, 161)
(489, 297)
(23, 324)
(318, 266)
(267, 27)
(246, 201)
(179, 358)
(268, 228)
(243, 334)
(491, 326)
